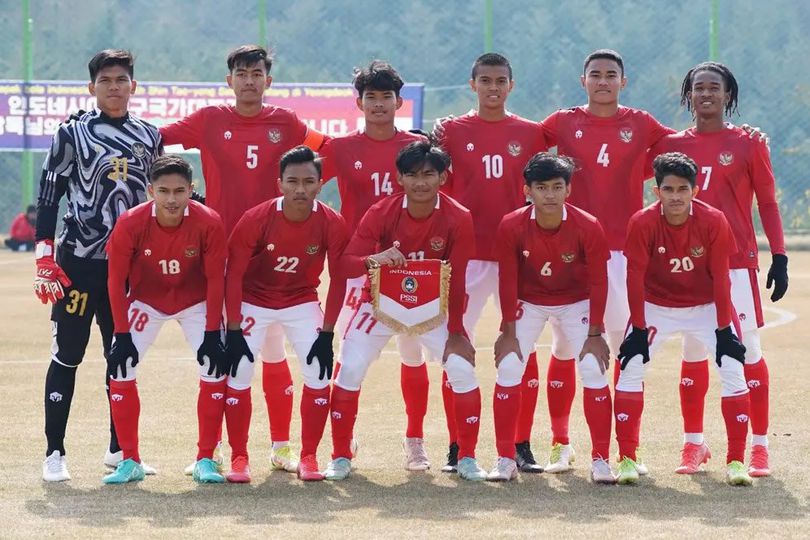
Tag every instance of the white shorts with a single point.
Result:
(364, 341)
(482, 282)
(146, 322)
(300, 324)
(699, 323)
(570, 323)
(409, 349)
(748, 307)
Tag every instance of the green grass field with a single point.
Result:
(381, 498)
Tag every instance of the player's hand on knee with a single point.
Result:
(597, 346)
(460, 345)
(50, 279)
(212, 351)
(778, 277)
(636, 343)
(506, 343)
(123, 351)
(728, 345)
(322, 349)
(236, 348)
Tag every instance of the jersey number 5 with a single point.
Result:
(252, 156)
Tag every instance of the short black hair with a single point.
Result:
(545, 166)
(247, 55)
(603, 54)
(30, 208)
(378, 75)
(729, 83)
(170, 164)
(414, 156)
(676, 164)
(111, 57)
(491, 59)
(299, 154)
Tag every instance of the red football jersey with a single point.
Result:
(486, 176)
(552, 268)
(732, 168)
(169, 269)
(679, 266)
(239, 154)
(446, 234)
(277, 263)
(365, 170)
(610, 156)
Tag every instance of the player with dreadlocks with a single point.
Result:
(732, 169)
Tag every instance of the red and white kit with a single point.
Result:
(557, 276)
(173, 273)
(446, 234)
(677, 282)
(274, 269)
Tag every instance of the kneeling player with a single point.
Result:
(276, 256)
(171, 251)
(552, 258)
(678, 281)
(417, 224)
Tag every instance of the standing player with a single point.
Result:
(276, 256)
(732, 169)
(240, 147)
(363, 163)
(677, 281)
(419, 223)
(552, 266)
(171, 254)
(489, 148)
(101, 161)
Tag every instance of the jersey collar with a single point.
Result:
(280, 204)
(691, 207)
(534, 213)
(438, 202)
(154, 210)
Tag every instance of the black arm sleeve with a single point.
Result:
(48, 205)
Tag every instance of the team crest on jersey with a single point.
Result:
(191, 252)
(470, 147)
(358, 165)
(274, 135)
(312, 249)
(697, 251)
(578, 134)
(227, 135)
(147, 252)
(567, 257)
(437, 243)
(725, 158)
(626, 135)
(138, 149)
(514, 148)
(409, 284)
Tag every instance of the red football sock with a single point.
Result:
(561, 388)
(449, 409)
(278, 395)
(736, 411)
(126, 409)
(210, 412)
(468, 421)
(505, 407)
(617, 370)
(529, 388)
(344, 413)
(238, 408)
(415, 384)
(599, 415)
(758, 379)
(314, 410)
(628, 407)
(693, 388)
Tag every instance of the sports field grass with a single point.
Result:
(380, 498)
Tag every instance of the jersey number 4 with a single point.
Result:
(603, 158)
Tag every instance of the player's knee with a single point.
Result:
(732, 378)
(132, 374)
(753, 347)
(244, 376)
(67, 352)
(590, 373)
(351, 375)
(510, 371)
(460, 374)
(410, 351)
(631, 378)
(561, 348)
(311, 373)
(693, 350)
